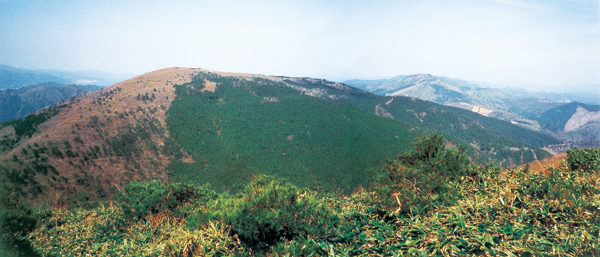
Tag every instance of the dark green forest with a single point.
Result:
(234, 133)
(252, 126)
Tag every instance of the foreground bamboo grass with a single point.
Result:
(481, 211)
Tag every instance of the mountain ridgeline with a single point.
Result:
(444, 90)
(15, 78)
(200, 127)
(534, 113)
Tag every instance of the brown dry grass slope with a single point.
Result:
(88, 165)
(544, 165)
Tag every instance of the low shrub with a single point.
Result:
(585, 159)
(269, 210)
(139, 199)
(423, 177)
(17, 220)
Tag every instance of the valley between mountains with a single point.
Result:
(573, 122)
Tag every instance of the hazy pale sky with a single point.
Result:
(547, 44)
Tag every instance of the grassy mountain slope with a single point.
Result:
(412, 209)
(18, 103)
(201, 126)
(198, 126)
(92, 145)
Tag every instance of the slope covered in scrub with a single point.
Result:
(428, 202)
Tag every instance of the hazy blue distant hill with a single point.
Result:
(379, 86)
(20, 102)
(558, 117)
(14, 78)
(590, 97)
(449, 91)
(89, 77)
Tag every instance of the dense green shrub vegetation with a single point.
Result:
(142, 198)
(234, 132)
(423, 176)
(584, 159)
(430, 201)
(17, 221)
(270, 210)
(487, 138)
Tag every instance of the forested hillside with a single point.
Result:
(488, 139)
(299, 128)
(251, 126)
(220, 134)
(529, 111)
(201, 126)
(557, 118)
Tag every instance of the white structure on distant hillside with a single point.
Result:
(481, 110)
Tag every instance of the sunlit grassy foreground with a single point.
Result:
(429, 202)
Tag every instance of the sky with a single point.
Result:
(541, 45)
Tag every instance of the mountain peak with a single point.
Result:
(423, 75)
(423, 78)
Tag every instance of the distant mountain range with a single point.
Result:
(14, 78)
(590, 97)
(17, 103)
(515, 106)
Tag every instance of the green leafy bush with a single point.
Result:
(423, 177)
(269, 210)
(142, 198)
(584, 159)
(17, 220)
